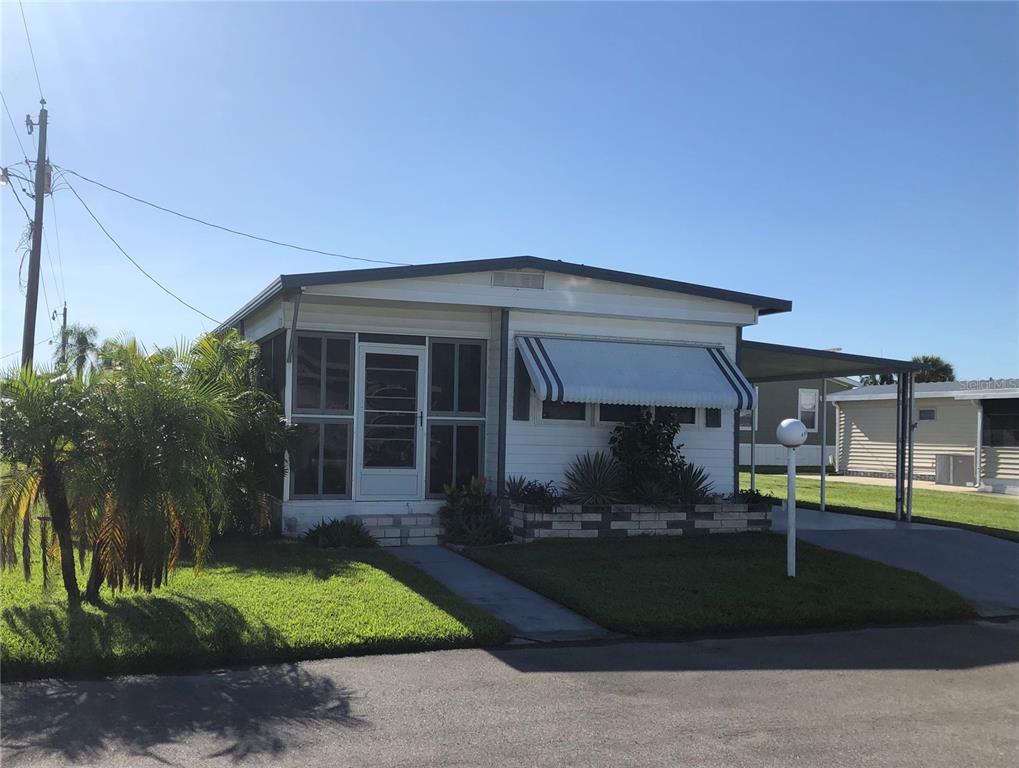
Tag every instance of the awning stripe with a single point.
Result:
(535, 365)
(551, 368)
(728, 378)
(736, 377)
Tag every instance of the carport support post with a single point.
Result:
(824, 438)
(899, 456)
(911, 422)
(790, 504)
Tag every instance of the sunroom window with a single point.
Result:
(320, 459)
(322, 373)
(457, 378)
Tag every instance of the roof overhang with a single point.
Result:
(762, 362)
(765, 305)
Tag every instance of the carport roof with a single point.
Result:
(762, 362)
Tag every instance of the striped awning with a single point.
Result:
(633, 373)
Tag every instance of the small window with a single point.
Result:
(623, 413)
(563, 411)
(807, 412)
(457, 378)
(927, 414)
(521, 390)
(684, 415)
(320, 459)
(322, 368)
(454, 455)
(747, 420)
(712, 418)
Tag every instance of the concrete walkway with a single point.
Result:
(528, 614)
(982, 569)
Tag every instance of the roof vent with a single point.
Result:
(535, 280)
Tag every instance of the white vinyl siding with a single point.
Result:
(867, 435)
(1001, 463)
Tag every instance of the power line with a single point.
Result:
(49, 257)
(18, 198)
(228, 229)
(14, 128)
(136, 264)
(60, 256)
(9, 354)
(31, 51)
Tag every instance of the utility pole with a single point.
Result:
(32, 297)
(63, 338)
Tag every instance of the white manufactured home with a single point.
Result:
(403, 379)
(964, 433)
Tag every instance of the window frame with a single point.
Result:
(454, 423)
(800, 409)
(272, 339)
(585, 419)
(457, 342)
(920, 411)
(321, 461)
(323, 336)
(696, 423)
(710, 426)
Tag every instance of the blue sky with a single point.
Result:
(860, 160)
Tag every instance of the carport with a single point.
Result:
(763, 362)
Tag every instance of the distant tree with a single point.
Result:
(939, 369)
(879, 378)
(78, 343)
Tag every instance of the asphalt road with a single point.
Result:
(922, 696)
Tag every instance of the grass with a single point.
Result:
(674, 586)
(993, 511)
(256, 602)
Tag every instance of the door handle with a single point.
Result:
(421, 418)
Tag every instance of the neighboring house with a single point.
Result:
(967, 432)
(778, 400)
(400, 380)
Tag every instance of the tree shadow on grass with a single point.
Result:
(287, 558)
(240, 714)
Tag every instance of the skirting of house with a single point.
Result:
(403, 530)
(928, 476)
(572, 521)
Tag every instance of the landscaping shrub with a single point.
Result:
(593, 478)
(692, 484)
(748, 496)
(348, 532)
(543, 496)
(470, 516)
(647, 451)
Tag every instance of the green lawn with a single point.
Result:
(673, 586)
(255, 602)
(987, 510)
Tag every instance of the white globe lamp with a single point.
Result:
(792, 434)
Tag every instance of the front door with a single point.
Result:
(390, 419)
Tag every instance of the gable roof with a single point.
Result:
(765, 305)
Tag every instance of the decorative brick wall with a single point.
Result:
(571, 521)
(403, 530)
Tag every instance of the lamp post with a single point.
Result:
(792, 434)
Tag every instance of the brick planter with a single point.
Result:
(572, 521)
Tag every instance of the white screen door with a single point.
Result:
(390, 419)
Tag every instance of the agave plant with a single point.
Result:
(692, 484)
(593, 478)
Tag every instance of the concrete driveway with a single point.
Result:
(924, 696)
(983, 569)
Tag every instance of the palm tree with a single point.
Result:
(77, 344)
(938, 369)
(155, 439)
(40, 419)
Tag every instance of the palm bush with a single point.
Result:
(349, 532)
(593, 478)
(646, 450)
(692, 484)
(470, 516)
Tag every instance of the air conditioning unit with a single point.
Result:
(953, 469)
(533, 280)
